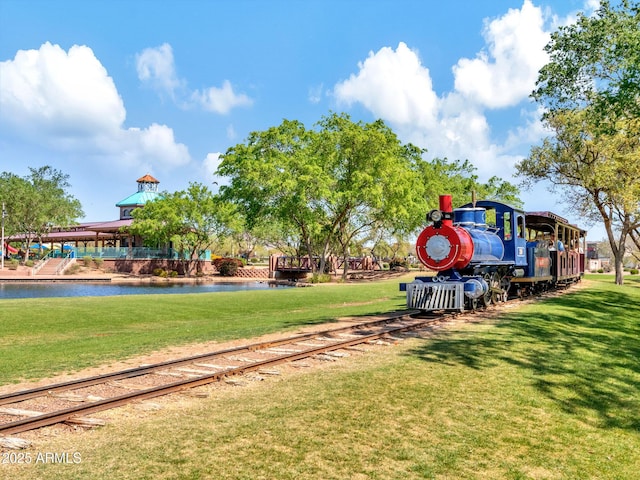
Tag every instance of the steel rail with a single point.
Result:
(59, 416)
(23, 395)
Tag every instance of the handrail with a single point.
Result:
(63, 264)
(36, 268)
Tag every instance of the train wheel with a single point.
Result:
(495, 287)
(472, 304)
(505, 286)
(487, 298)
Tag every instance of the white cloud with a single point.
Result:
(315, 93)
(66, 101)
(505, 75)
(591, 6)
(394, 85)
(157, 145)
(155, 67)
(50, 92)
(220, 100)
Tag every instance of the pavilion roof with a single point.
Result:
(112, 226)
(138, 199)
(83, 231)
(147, 179)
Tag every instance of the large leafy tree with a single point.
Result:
(591, 92)
(38, 202)
(275, 180)
(192, 220)
(372, 179)
(325, 186)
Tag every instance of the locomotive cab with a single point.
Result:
(510, 226)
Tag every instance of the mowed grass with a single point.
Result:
(44, 337)
(550, 390)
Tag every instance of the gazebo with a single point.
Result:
(103, 238)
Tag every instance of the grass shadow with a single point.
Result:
(581, 350)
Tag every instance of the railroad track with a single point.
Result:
(185, 373)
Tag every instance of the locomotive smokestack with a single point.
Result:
(446, 206)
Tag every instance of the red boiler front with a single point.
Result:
(444, 248)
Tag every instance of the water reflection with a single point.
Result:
(45, 289)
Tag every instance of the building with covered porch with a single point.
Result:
(111, 241)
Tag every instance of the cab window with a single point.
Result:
(507, 226)
(520, 226)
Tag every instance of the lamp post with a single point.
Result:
(4, 214)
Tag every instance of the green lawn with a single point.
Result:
(43, 337)
(551, 390)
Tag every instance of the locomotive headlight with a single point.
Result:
(434, 215)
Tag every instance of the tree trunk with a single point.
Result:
(345, 267)
(619, 266)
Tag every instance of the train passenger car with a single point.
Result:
(555, 246)
(486, 251)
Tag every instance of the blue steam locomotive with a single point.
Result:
(485, 252)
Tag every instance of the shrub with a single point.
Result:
(29, 263)
(633, 271)
(161, 272)
(13, 264)
(600, 270)
(397, 264)
(173, 274)
(72, 269)
(227, 267)
(98, 262)
(87, 261)
(320, 278)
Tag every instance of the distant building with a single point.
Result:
(592, 250)
(594, 261)
(112, 242)
(147, 192)
(112, 234)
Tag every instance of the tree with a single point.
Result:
(38, 202)
(602, 174)
(591, 91)
(325, 186)
(373, 184)
(273, 180)
(191, 220)
(634, 247)
(11, 193)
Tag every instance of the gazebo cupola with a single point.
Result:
(147, 192)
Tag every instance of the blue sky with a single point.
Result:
(109, 91)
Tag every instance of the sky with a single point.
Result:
(107, 91)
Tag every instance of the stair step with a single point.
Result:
(50, 266)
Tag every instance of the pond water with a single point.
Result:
(42, 290)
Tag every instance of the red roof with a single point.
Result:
(147, 179)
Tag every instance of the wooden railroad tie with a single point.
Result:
(79, 421)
